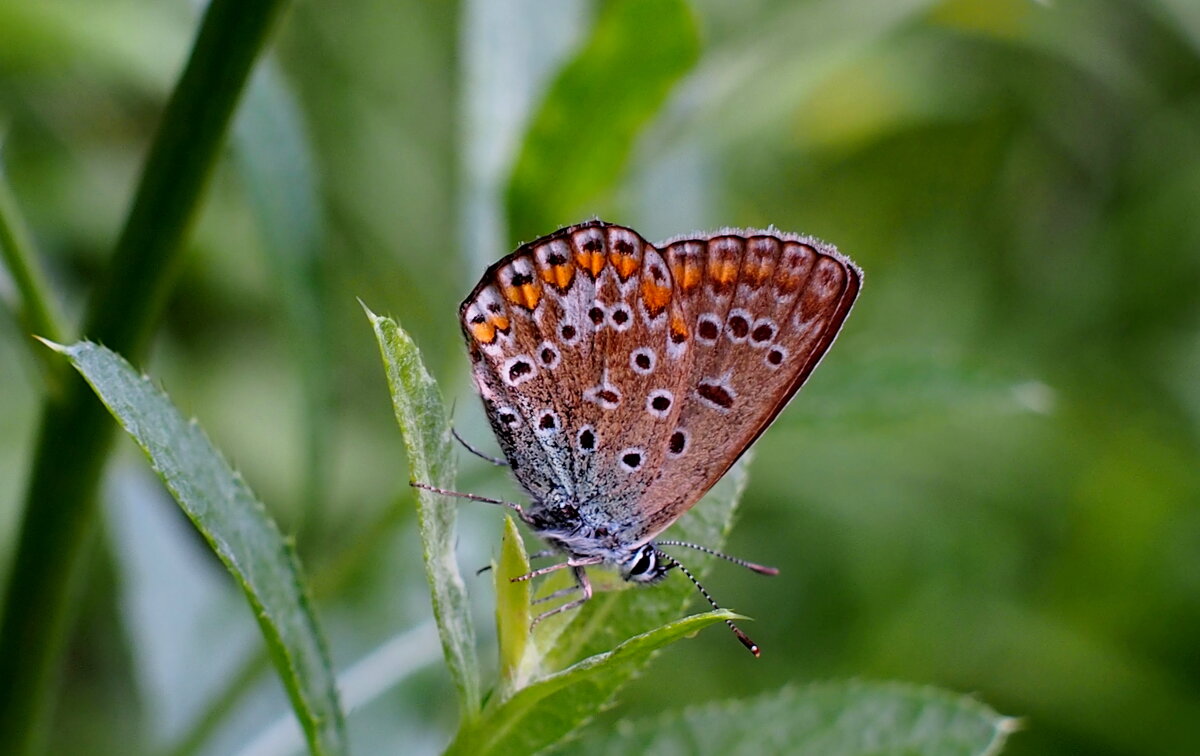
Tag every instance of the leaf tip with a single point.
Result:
(370, 315)
(1009, 725)
(60, 348)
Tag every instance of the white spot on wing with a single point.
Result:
(631, 459)
(548, 355)
(623, 321)
(715, 324)
(659, 402)
(606, 395)
(518, 370)
(548, 423)
(643, 360)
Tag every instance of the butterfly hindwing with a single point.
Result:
(763, 308)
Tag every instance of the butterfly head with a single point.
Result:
(645, 565)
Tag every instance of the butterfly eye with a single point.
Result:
(643, 566)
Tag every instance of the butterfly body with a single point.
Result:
(623, 379)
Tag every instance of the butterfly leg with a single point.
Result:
(574, 563)
(535, 555)
(581, 583)
(557, 594)
(497, 461)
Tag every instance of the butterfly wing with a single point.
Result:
(627, 380)
(761, 308)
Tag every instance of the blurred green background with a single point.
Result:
(991, 484)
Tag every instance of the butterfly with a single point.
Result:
(623, 379)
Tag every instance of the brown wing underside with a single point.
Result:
(630, 379)
(765, 308)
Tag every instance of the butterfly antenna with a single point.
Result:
(469, 496)
(761, 569)
(737, 631)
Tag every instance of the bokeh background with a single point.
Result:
(991, 484)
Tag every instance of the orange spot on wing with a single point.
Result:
(756, 272)
(485, 332)
(624, 264)
(526, 295)
(655, 297)
(591, 261)
(500, 323)
(533, 295)
(788, 283)
(558, 276)
(723, 271)
(794, 268)
(686, 273)
(679, 329)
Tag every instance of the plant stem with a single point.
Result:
(36, 311)
(75, 434)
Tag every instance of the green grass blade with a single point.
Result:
(544, 712)
(637, 51)
(237, 528)
(826, 719)
(423, 423)
(273, 153)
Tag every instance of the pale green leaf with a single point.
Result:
(512, 609)
(237, 528)
(423, 423)
(526, 720)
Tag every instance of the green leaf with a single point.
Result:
(753, 80)
(582, 135)
(422, 418)
(512, 610)
(236, 526)
(825, 719)
(648, 617)
(620, 610)
(543, 713)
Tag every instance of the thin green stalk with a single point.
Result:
(276, 164)
(237, 686)
(76, 430)
(36, 310)
(327, 580)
